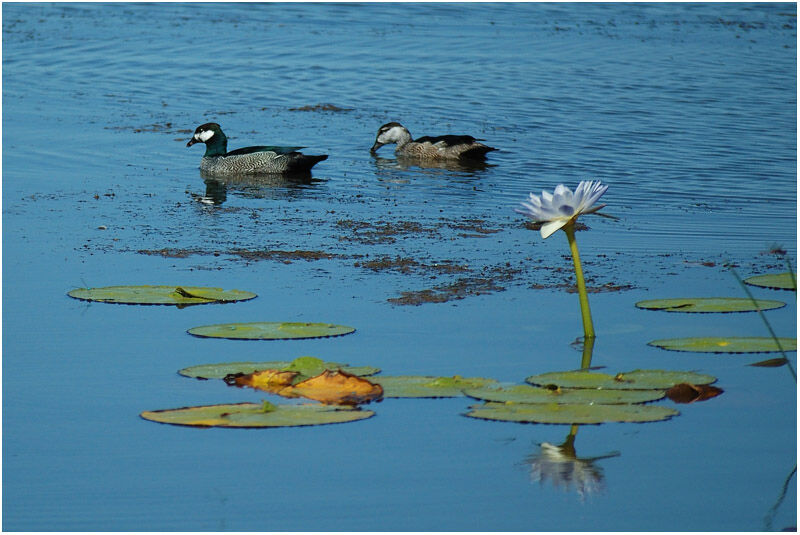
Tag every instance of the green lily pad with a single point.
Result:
(775, 281)
(633, 380)
(709, 304)
(418, 386)
(307, 366)
(556, 413)
(160, 295)
(732, 344)
(532, 394)
(268, 330)
(257, 415)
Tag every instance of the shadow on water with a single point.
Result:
(254, 186)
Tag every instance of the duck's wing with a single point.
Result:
(447, 141)
(264, 148)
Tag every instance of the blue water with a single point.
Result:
(687, 111)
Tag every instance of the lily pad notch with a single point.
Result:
(160, 295)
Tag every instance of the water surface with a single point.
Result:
(687, 111)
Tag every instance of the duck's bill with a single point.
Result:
(376, 146)
(192, 142)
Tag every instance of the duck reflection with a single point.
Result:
(216, 193)
(405, 162)
(254, 186)
(562, 466)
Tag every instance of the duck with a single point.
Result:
(450, 147)
(217, 161)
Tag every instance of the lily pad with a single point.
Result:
(160, 295)
(733, 344)
(633, 380)
(709, 304)
(307, 366)
(257, 415)
(272, 381)
(312, 366)
(532, 394)
(418, 386)
(335, 388)
(556, 413)
(686, 393)
(270, 330)
(775, 281)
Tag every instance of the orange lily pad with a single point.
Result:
(336, 388)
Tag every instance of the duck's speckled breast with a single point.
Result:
(258, 162)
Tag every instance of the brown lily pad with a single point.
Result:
(689, 393)
(771, 363)
(335, 388)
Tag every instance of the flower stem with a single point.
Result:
(586, 313)
(588, 347)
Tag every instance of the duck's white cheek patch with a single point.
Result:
(390, 135)
(204, 136)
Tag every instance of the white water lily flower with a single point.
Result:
(562, 206)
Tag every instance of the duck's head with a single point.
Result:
(391, 133)
(206, 133)
(210, 134)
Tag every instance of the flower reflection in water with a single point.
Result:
(562, 466)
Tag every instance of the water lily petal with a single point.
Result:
(581, 193)
(562, 196)
(536, 210)
(531, 211)
(557, 208)
(533, 200)
(551, 226)
(590, 192)
(566, 210)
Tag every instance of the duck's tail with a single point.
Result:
(476, 152)
(303, 163)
